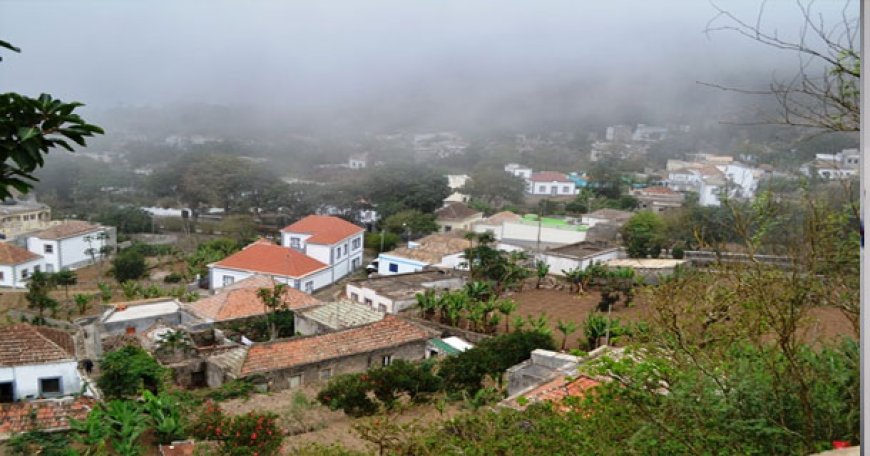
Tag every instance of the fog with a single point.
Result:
(397, 64)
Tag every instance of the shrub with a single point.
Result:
(173, 277)
(128, 265)
(349, 392)
(129, 370)
(243, 435)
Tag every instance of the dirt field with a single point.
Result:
(329, 427)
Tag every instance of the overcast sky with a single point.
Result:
(321, 52)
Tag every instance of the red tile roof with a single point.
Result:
(556, 390)
(389, 332)
(11, 254)
(324, 229)
(656, 191)
(23, 344)
(68, 229)
(45, 415)
(268, 258)
(549, 176)
(240, 300)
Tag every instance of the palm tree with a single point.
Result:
(130, 289)
(594, 328)
(541, 270)
(428, 303)
(478, 291)
(566, 328)
(506, 307)
(105, 292)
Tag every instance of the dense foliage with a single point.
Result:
(242, 435)
(128, 265)
(644, 235)
(128, 371)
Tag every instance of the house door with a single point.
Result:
(6, 392)
(553, 190)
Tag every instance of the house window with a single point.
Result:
(7, 392)
(2, 276)
(566, 189)
(387, 360)
(542, 189)
(228, 280)
(24, 273)
(309, 286)
(447, 228)
(325, 374)
(36, 268)
(345, 249)
(382, 308)
(356, 243)
(295, 381)
(294, 242)
(394, 267)
(50, 387)
(368, 302)
(48, 248)
(354, 297)
(354, 263)
(338, 253)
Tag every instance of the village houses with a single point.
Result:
(456, 216)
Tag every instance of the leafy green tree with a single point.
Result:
(29, 129)
(126, 372)
(127, 219)
(373, 241)
(128, 265)
(65, 278)
(644, 235)
(400, 186)
(495, 187)
(240, 227)
(38, 288)
(502, 270)
(566, 328)
(410, 221)
(82, 302)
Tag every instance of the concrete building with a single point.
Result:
(518, 170)
(842, 165)
(282, 264)
(551, 183)
(658, 199)
(577, 256)
(17, 265)
(71, 244)
(334, 316)
(292, 363)
(395, 293)
(439, 250)
(456, 216)
(37, 362)
(330, 240)
(19, 216)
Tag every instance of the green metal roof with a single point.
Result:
(444, 347)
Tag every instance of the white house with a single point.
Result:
(394, 293)
(577, 256)
(551, 183)
(518, 170)
(284, 265)
(358, 161)
(710, 191)
(71, 244)
(440, 250)
(17, 264)
(37, 362)
(841, 165)
(743, 179)
(330, 240)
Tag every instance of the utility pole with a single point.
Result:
(864, 200)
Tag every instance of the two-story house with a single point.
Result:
(71, 244)
(37, 362)
(282, 264)
(331, 240)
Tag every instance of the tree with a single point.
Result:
(37, 296)
(82, 302)
(29, 129)
(65, 278)
(127, 219)
(541, 270)
(100, 249)
(273, 302)
(128, 265)
(566, 328)
(401, 186)
(825, 92)
(410, 221)
(128, 371)
(239, 227)
(644, 235)
(495, 187)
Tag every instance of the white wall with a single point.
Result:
(404, 265)
(285, 239)
(216, 276)
(375, 301)
(26, 378)
(742, 176)
(320, 279)
(72, 250)
(37, 246)
(561, 188)
(453, 261)
(321, 253)
(12, 275)
(529, 232)
(708, 195)
(558, 263)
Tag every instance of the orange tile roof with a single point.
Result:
(324, 229)
(23, 344)
(45, 415)
(389, 332)
(240, 300)
(11, 254)
(557, 389)
(549, 176)
(269, 258)
(656, 190)
(68, 229)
